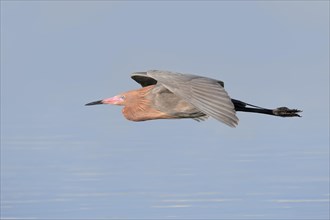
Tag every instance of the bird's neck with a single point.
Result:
(139, 106)
(137, 97)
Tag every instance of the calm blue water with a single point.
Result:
(163, 174)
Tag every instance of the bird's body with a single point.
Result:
(168, 95)
(157, 102)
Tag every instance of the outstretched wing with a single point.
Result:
(145, 80)
(206, 94)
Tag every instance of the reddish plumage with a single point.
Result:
(139, 107)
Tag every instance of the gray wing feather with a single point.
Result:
(206, 94)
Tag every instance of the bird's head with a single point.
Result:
(116, 100)
(129, 98)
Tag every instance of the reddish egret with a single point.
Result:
(166, 95)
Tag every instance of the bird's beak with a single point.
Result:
(114, 100)
(95, 103)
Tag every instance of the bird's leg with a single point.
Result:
(281, 111)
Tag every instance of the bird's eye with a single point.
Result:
(122, 97)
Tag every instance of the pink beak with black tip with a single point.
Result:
(114, 100)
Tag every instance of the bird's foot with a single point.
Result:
(286, 112)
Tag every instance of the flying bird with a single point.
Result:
(171, 95)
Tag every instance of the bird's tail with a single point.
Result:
(281, 111)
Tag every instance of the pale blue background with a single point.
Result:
(60, 159)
